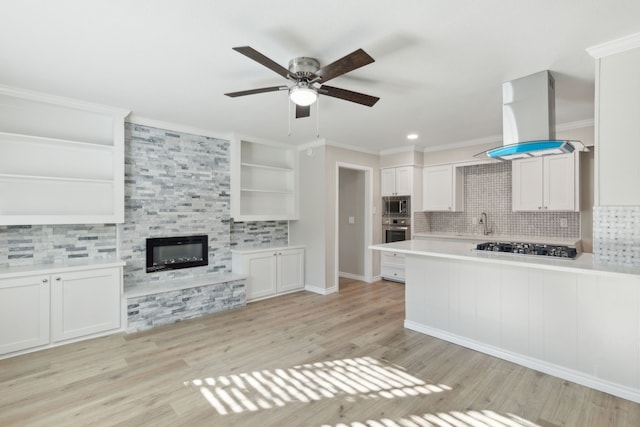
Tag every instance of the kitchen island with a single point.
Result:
(573, 319)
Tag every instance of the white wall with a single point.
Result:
(333, 156)
(351, 235)
(310, 229)
(316, 229)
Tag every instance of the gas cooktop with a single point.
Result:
(539, 249)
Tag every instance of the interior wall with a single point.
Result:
(351, 233)
(333, 156)
(310, 229)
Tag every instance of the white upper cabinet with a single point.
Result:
(396, 181)
(61, 160)
(263, 181)
(548, 183)
(443, 188)
(617, 129)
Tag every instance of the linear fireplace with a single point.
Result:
(172, 253)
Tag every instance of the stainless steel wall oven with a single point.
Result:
(396, 229)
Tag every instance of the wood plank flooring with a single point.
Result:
(297, 360)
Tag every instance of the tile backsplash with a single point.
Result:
(487, 188)
(22, 245)
(616, 235)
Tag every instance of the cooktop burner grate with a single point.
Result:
(541, 249)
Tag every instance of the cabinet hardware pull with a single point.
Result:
(45, 280)
(58, 279)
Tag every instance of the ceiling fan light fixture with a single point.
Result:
(303, 95)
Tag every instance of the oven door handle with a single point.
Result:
(397, 228)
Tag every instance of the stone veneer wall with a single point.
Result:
(149, 311)
(24, 245)
(616, 235)
(176, 184)
(487, 188)
(259, 234)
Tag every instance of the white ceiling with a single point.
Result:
(438, 71)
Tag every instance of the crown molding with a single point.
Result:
(495, 139)
(161, 124)
(47, 98)
(612, 47)
(403, 149)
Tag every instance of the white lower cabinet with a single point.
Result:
(84, 303)
(24, 313)
(49, 308)
(270, 272)
(392, 266)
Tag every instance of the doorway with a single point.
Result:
(353, 223)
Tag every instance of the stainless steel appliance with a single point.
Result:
(396, 206)
(396, 229)
(536, 249)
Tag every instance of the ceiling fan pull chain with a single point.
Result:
(289, 115)
(318, 118)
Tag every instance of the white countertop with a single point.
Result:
(53, 268)
(464, 250)
(497, 238)
(252, 250)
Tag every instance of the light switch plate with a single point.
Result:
(352, 220)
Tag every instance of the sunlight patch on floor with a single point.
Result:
(362, 378)
(484, 418)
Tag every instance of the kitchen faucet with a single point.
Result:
(485, 224)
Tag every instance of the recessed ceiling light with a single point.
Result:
(412, 136)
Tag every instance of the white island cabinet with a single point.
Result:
(570, 318)
(44, 306)
(270, 271)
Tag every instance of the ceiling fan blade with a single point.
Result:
(303, 111)
(261, 59)
(348, 95)
(254, 91)
(355, 59)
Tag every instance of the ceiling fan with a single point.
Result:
(308, 79)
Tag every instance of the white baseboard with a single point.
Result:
(352, 276)
(375, 279)
(319, 290)
(529, 362)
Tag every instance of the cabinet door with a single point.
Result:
(438, 188)
(403, 180)
(388, 182)
(559, 182)
(290, 270)
(24, 313)
(84, 303)
(261, 269)
(618, 109)
(527, 184)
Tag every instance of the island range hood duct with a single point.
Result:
(528, 120)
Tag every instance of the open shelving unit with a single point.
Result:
(61, 160)
(263, 181)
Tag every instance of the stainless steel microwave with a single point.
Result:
(396, 206)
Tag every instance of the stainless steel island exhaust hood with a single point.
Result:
(528, 120)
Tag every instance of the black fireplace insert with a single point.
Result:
(172, 253)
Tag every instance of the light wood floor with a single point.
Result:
(298, 360)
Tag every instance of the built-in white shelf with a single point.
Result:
(263, 181)
(61, 160)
